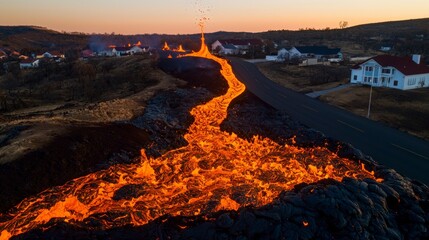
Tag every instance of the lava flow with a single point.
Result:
(216, 170)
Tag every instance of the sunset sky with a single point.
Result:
(181, 16)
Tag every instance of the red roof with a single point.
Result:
(241, 42)
(405, 65)
(87, 53)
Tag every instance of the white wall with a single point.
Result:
(216, 44)
(416, 81)
(402, 80)
(294, 52)
(397, 76)
(358, 73)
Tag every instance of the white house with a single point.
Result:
(281, 56)
(121, 51)
(236, 46)
(229, 49)
(138, 49)
(29, 63)
(319, 52)
(391, 71)
(53, 54)
(107, 52)
(125, 51)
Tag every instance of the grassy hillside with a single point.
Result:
(21, 37)
(395, 28)
(407, 36)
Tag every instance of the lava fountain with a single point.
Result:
(215, 171)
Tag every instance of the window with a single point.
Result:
(393, 71)
(375, 80)
(383, 79)
(412, 81)
(365, 79)
(369, 69)
(395, 83)
(385, 70)
(355, 77)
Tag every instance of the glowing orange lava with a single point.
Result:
(216, 170)
(166, 47)
(180, 49)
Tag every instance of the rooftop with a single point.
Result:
(405, 65)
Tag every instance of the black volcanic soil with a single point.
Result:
(398, 208)
(79, 150)
(72, 150)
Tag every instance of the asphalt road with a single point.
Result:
(405, 153)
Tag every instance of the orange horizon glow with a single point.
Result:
(180, 17)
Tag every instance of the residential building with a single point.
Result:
(121, 51)
(29, 63)
(281, 56)
(319, 52)
(56, 55)
(236, 46)
(139, 49)
(229, 49)
(128, 50)
(392, 71)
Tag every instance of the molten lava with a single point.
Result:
(180, 49)
(166, 47)
(216, 170)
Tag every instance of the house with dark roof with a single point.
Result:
(55, 55)
(392, 71)
(29, 63)
(319, 52)
(236, 46)
(121, 51)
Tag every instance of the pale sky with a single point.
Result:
(181, 16)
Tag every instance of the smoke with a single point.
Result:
(97, 43)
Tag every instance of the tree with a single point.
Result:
(343, 24)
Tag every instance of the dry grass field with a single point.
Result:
(305, 79)
(405, 110)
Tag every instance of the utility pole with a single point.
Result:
(369, 103)
(370, 92)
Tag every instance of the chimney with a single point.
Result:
(416, 58)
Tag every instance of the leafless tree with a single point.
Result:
(343, 24)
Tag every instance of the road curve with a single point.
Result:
(405, 153)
